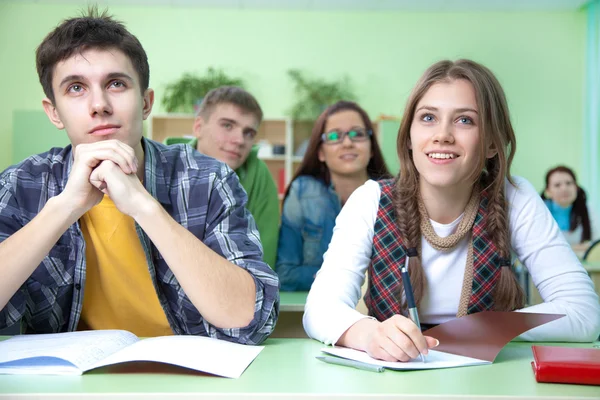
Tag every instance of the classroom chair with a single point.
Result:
(593, 252)
(361, 306)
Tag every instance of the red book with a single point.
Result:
(566, 365)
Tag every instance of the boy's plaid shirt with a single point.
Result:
(200, 193)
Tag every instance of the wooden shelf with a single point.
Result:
(163, 126)
(273, 158)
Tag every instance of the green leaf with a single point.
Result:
(181, 95)
(314, 95)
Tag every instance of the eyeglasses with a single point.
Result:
(355, 135)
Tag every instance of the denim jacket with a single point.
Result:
(307, 222)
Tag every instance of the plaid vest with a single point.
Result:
(388, 256)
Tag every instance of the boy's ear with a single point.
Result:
(198, 123)
(52, 113)
(148, 102)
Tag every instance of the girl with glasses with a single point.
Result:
(459, 213)
(342, 154)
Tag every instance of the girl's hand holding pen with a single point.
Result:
(397, 339)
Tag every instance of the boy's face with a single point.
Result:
(97, 97)
(227, 135)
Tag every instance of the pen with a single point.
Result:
(350, 363)
(408, 291)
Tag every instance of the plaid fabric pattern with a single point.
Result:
(486, 262)
(200, 193)
(389, 252)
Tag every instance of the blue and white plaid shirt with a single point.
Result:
(200, 193)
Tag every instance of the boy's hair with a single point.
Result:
(497, 133)
(94, 30)
(230, 95)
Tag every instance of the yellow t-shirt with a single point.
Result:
(118, 292)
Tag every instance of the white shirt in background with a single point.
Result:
(574, 237)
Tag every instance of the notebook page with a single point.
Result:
(205, 354)
(434, 360)
(81, 349)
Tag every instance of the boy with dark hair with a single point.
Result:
(116, 231)
(225, 127)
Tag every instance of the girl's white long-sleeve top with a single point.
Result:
(561, 280)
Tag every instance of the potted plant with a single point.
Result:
(313, 95)
(187, 92)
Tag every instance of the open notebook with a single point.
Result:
(474, 339)
(74, 353)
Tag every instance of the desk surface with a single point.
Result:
(292, 301)
(287, 368)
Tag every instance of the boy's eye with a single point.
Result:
(118, 84)
(227, 125)
(250, 134)
(75, 88)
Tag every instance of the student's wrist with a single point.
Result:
(359, 334)
(147, 207)
(62, 206)
(369, 325)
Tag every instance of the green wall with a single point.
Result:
(539, 58)
(34, 124)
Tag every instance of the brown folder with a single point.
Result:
(482, 335)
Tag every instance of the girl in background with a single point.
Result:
(567, 204)
(458, 211)
(342, 154)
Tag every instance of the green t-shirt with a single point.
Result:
(263, 202)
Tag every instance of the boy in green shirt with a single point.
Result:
(225, 127)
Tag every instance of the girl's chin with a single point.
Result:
(439, 182)
(349, 170)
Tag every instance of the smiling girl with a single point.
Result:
(457, 206)
(342, 154)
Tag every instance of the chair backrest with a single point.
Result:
(593, 252)
(361, 306)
